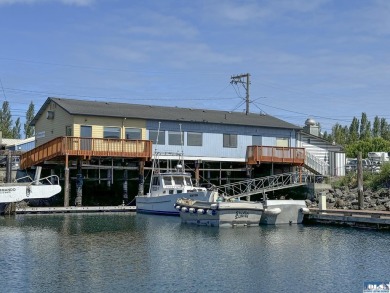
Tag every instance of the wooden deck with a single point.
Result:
(77, 147)
(269, 154)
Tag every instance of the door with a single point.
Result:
(85, 137)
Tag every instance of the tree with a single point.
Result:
(354, 130)
(376, 128)
(340, 134)
(29, 130)
(6, 120)
(385, 129)
(16, 129)
(365, 127)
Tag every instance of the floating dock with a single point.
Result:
(351, 218)
(74, 209)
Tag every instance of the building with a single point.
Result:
(207, 134)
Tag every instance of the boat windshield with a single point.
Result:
(188, 181)
(167, 180)
(179, 180)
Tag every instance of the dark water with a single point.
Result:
(143, 253)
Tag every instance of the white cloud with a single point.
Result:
(66, 2)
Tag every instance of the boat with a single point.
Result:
(167, 185)
(220, 213)
(291, 211)
(26, 188)
(231, 212)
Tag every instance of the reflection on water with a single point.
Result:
(128, 252)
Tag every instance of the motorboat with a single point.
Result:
(26, 188)
(220, 213)
(167, 185)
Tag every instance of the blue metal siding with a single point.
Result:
(24, 146)
(213, 138)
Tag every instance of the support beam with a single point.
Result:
(79, 184)
(141, 177)
(66, 183)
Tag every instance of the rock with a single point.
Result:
(338, 192)
(339, 203)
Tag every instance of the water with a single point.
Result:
(143, 253)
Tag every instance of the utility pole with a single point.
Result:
(244, 80)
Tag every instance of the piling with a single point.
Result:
(79, 184)
(66, 183)
(141, 171)
(360, 181)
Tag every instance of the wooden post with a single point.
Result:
(66, 183)
(79, 184)
(360, 181)
(141, 177)
(125, 195)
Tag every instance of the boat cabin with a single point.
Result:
(170, 183)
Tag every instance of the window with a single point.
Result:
(174, 138)
(179, 180)
(153, 136)
(68, 130)
(112, 132)
(50, 115)
(230, 140)
(257, 140)
(167, 180)
(194, 139)
(282, 142)
(133, 133)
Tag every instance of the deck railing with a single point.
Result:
(270, 154)
(87, 147)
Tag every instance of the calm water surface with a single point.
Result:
(143, 253)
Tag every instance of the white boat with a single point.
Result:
(220, 213)
(234, 212)
(290, 212)
(32, 189)
(167, 185)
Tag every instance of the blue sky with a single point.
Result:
(325, 59)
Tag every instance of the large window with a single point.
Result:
(194, 139)
(153, 136)
(230, 140)
(112, 132)
(257, 140)
(282, 142)
(174, 138)
(133, 133)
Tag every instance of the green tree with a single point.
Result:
(29, 130)
(385, 129)
(340, 134)
(16, 129)
(6, 120)
(365, 127)
(354, 130)
(376, 128)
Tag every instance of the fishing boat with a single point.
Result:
(26, 188)
(220, 213)
(168, 183)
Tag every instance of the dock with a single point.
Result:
(74, 209)
(351, 218)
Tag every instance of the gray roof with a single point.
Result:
(121, 110)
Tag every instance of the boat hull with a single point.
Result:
(18, 192)
(222, 214)
(291, 212)
(165, 204)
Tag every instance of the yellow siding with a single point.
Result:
(98, 124)
(48, 129)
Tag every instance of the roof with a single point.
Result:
(122, 110)
(16, 142)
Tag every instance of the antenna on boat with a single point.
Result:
(182, 151)
(155, 159)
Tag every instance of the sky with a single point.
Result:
(323, 59)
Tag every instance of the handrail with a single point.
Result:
(256, 154)
(317, 164)
(86, 147)
(48, 179)
(263, 184)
